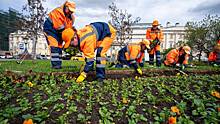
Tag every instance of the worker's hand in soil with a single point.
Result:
(139, 71)
(81, 77)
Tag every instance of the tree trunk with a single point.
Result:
(34, 48)
(200, 54)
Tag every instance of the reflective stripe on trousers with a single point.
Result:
(100, 64)
(56, 56)
(151, 59)
(89, 64)
(158, 58)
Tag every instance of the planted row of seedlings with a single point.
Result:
(59, 99)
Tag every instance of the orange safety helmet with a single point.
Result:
(187, 49)
(71, 5)
(67, 36)
(155, 23)
(146, 43)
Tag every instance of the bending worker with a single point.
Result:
(132, 54)
(178, 57)
(214, 57)
(59, 19)
(154, 34)
(96, 36)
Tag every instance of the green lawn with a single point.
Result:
(38, 66)
(68, 66)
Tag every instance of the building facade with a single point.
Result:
(172, 35)
(18, 43)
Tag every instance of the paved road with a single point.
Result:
(9, 59)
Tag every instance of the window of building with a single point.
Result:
(171, 44)
(171, 36)
(183, 36)
(180, 36)
(17, 38)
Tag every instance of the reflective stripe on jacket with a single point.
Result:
(89, 39)
(173, 57)
(59, 20)
(133, 52)
(152, 34)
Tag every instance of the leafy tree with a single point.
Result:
(202, 35)
(35, 14)
(213, 32)
(122, 21)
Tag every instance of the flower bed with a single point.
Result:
(53, 98)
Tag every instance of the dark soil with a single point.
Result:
(110, 74)
(119, 74)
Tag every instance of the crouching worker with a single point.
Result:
(133, 54)
(96, 36)
(214, 57)
(178, 57)
(59, 19)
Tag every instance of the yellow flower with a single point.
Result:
(28, 121)
(70, 97)
(175, 109)
(178, 74)
(136, 77)
(30, 84)
(124, 100)
(172, 120)
(216, 94)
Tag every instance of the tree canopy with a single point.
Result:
(202, 35)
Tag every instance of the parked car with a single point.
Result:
(41, 56)
(2, 57)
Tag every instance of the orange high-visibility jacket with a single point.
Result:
(59, 20)
(212, 56)
(152, 34)
(134, 53)
(173, 57)
(88, 40)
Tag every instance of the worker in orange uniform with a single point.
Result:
(152, 34)
(218, 42)
(178, 57)
(97, 36)
(58, 19)
(133, 54)
(214, 57)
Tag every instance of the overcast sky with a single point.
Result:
(173, 11)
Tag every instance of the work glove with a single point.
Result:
(182, 67)
(215, 65)
(139, 71)
(81, 77)
(177, 65)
